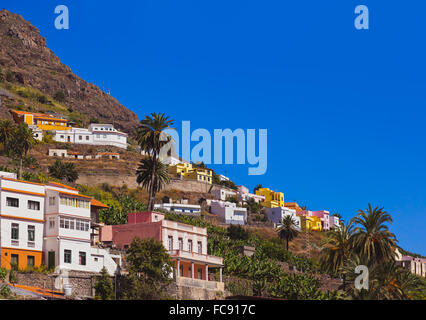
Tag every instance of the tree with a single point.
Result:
(59, 96)
(153, 175)
(288, 229)
(372, 238)
(237, 232)
(7, 130)
(22, 142)
(338, 215)
(259, 186)
(63, 171)
(253, 206)
(336, 255)
(103, 286)
(149, 136)
(150, 269)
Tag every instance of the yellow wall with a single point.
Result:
(6, 256)
(312, 223)
(272, 199)
(186, 170)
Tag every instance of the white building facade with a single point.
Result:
(229, 212)
(96, 134)
(277, 214)
(179, 207)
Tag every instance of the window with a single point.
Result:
(82, 258)
(170, 243)
(200, 273)
(14, 261)
(33, 205)
(31, 233)
(190, 245)
(30, 261)
(12, 202)
(15, 231)
(180, 244)
(200, 247)
(80, 138)
(67, 256)
(51, 222)
(52, 201)
(87, 138)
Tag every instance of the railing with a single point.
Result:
(31, 244)
(196, 256)
(15, 243)
(198, 283)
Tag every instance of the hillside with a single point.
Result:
(33, 78)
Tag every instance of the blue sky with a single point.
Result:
(344, 108)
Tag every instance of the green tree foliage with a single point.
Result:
(150, 269)
(151, 139)
(63, 171)
(237, 232)
(103, 286)
(152, 175)
(253, 206)
(288, 229)
(372, 238)
(59, 96)
(21, 143)
(118, 212)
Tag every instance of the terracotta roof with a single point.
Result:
(11, 179)
(108, 153)
(97, 203)
(63, 185)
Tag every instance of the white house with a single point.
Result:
(229, 212)
(21, 223)
(277, 214)
(96, 134)
(223, 178)
(68, 233)
(179, 207)
(244, 195)
(223, 193)
(63, 153)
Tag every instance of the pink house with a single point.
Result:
(186, 244)
(324, 215)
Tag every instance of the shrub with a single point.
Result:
(12, 273)
(104, 288)
(42, 99)
(10, 76)
(3, 273)
(5, 291)
(59, 96)
(238, 233)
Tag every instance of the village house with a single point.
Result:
(186, 244)
(187, 171)
(228, 212)
(96, 134)
(244, 195)
(272, 199)
(277, 214)
(48, 224)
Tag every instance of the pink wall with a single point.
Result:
(124, 234)
(144, 217)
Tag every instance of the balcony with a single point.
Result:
(196, 257)
(15, 243)
(197, 283)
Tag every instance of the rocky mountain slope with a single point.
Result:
(26, 62)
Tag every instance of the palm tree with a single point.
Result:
(149, 137)
(372, 238)
(153, 175)
(6, 133)
(259, 186)
(63, 171)
(22, 143)
(335, 255)
(288, 229)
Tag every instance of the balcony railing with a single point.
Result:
(197, 283)
(15, 243)
(196, 257)
(31, 244)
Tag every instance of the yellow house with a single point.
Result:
(186, 171)
(272, 199)
(310, 222)
(42, 121)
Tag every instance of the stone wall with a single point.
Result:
(192, 293)
(82, 282)
(130, 181)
